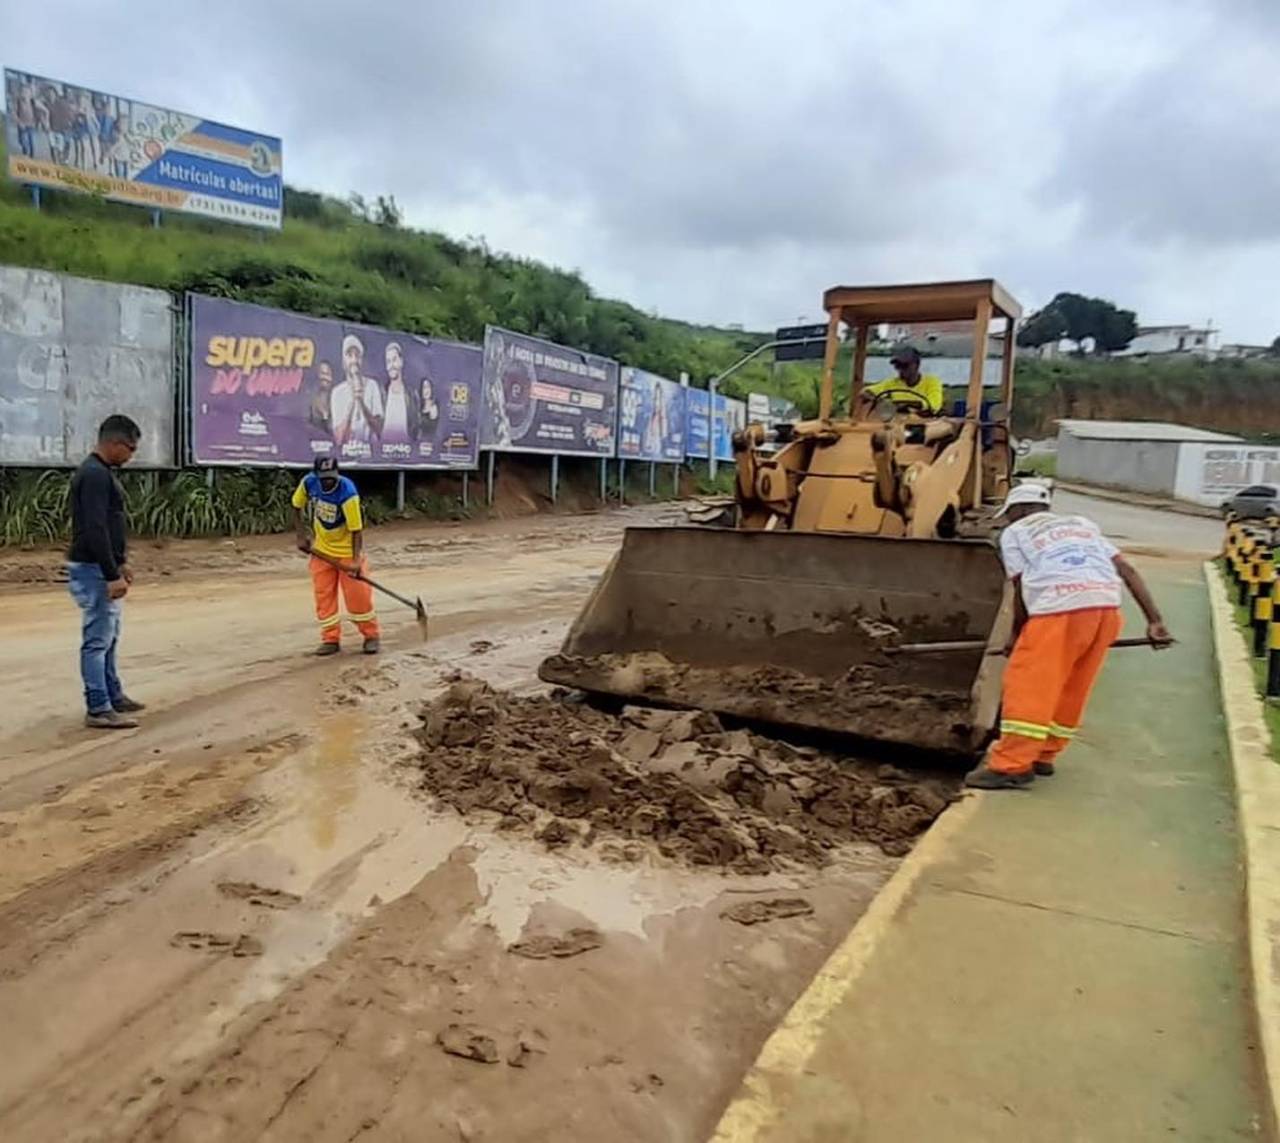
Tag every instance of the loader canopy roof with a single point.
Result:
(932, 301)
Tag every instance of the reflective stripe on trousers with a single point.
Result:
(1047, 683)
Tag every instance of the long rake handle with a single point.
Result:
(979, 645)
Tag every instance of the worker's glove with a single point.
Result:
(1159, 635)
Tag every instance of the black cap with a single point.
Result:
(326, 464)
(905, 353)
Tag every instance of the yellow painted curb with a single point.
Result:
(1257, 781)
(787, 1051)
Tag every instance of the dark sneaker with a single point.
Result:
(126, 705)
(984, 779)
(109, 720)
(1043, 769)
(327, 649)
(372, 646)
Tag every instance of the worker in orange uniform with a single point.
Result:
(336, 546)
(1067, 581)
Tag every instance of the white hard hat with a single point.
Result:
(1029, 492)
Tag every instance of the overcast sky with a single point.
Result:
(727, 162)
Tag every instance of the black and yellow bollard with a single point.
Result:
(1273, 644)
(1230, 549)
(1263, 602)
(1246, 580)
(1243, 551)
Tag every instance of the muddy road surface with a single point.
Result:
(251, 919)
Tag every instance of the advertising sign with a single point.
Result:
(69, 137)
(651, 415)
(730, 416)
(542, 397)
(769, 411)
(275, 388)
(697, 421)
(1211, 473)
(72, 352)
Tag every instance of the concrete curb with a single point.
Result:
(786, 1053)
(1138, 499)
(1257, 782)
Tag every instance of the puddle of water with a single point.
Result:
(345, 840)
(515, 878)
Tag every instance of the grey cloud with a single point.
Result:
(1186, 149)
(727, 162)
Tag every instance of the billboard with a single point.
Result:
(731, 416)
(73, 352)
(542, 397)
(651, 417)
(770, 411)
(65, 136)
(276, 388)
(697, 422)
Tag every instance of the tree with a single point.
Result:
(387, 213)
(1042, 327)
(1081, 318)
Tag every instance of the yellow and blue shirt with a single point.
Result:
(335, 515)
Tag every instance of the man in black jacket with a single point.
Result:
(98, 575)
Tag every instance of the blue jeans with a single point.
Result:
(100, 634)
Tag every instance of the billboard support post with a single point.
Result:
(489, 480)
(604, 479)
(622, 480)
(400, 491)
(653, 480)
(675, 481)
(208, 478)
(466, 490)
(711, 428)
(155, 220)
(555, 476)
(35, 197)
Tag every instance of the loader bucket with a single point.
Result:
(789, 628)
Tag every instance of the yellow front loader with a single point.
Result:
(857, 532)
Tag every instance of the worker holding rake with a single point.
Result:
(1067, 583)
(335, 543)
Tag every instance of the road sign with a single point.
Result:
(800, 342)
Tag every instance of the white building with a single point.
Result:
(1160, 339)
(1162, 459)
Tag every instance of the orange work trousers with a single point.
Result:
(1047, 683)
(357, 596)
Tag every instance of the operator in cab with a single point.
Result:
(911, 389)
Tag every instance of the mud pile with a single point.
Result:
(675, 780)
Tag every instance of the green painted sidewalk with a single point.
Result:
(1071, 965)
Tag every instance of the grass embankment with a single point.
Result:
(346, 260)
(1271, 708)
